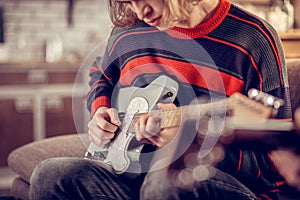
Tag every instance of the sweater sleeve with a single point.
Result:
(104, 75)
(98, 95)
(105, 71)
(271, 68)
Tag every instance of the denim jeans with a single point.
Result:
(76, 178)
(221, 185)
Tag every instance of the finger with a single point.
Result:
(142, 123)
(98, 132)
(146, 141)
(152, 126)
(148, 138)
(139, 136)
(104, 124)
(166, 106)
(97, 135)
(154, 140)
(114, 117)
(97, 140)
(100, 135)
(147, 126)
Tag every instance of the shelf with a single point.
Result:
(252, 1)
(291, 43)
(291, 35)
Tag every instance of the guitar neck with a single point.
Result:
(236, 105)
(273, 133)
(175, 117)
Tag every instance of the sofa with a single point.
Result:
(24, 159)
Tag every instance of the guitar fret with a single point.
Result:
(170, 118)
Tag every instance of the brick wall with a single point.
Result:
(30, 24)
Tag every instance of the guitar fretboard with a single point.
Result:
(175, 117)
(236, 105)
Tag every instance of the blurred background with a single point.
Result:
(30, 29)
(45, 50)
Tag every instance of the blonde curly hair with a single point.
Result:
(175, 11)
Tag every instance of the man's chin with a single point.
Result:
(161, 28)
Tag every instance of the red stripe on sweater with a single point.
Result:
(265, 196)
(258, 173)
(274, 191)
(240, 162)
(279, 183)
(93, 69)
(93, 87)
(102, 71)
(285, 119)
(193, 74)
(99, 102)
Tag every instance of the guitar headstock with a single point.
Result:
(267, 100)
(257, 107)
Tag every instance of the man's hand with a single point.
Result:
(148, 130)
(103, 125)
(287, 161)
(288, 165)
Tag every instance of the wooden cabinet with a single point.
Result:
(40, 100)
(15, 128)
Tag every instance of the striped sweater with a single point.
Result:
(233, 51)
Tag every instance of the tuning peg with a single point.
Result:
(265, 99)
(253, 93)
(256, 95)
(278, 103)
(268, 100)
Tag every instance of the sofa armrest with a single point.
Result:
(24, 159)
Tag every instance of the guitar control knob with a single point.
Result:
(167, 95)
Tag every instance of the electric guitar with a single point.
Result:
(237, 113)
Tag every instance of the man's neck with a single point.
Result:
(200, 13)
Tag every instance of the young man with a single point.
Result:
(209, 47)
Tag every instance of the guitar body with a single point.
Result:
(124, 152)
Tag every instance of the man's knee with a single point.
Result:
(51, 170)
(54, 175)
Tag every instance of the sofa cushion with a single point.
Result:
(24, 159)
